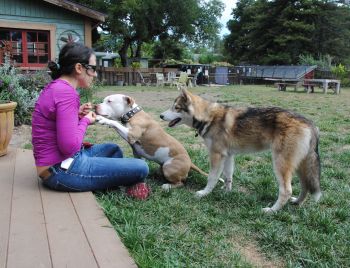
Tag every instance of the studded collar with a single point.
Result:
(128, 115)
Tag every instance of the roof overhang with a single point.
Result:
(80, 9)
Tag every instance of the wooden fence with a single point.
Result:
(131, 76)
(128, 75)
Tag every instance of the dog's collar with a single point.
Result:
(127, 116)
(201, 127)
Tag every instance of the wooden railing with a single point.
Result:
(128, 75)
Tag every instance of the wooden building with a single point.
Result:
(37, 29)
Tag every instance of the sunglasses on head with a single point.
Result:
(89, 67)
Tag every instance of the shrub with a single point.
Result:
(339, 71)
(209, 58)
(345, 82)
(117, 63)
(34, 81)
(323, 61)
(21, 88)
(135, 64)
(87, 94)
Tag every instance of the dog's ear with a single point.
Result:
(130, 101)
(185, 94)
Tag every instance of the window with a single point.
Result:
(30, 48)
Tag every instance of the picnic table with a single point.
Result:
(283, 83)
(325, 84)
(282, 86)
(308, 84)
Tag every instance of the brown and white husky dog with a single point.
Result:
(227, 131)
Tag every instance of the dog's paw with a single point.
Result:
(317, 196)
(166, 187)
(268, 210)
(102, 120)
(99, 117)
(227, 187)
(200, 194)
(294, 200)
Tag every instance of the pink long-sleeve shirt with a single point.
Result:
(57, 132)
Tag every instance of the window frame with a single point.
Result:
(25, 53)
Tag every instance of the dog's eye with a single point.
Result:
(109, 101)
(177, 107)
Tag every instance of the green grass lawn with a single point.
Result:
(228, 229)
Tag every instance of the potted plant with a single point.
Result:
(6, 125)
(7, 105)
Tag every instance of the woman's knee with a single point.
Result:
(142, 167)
(114, 150)
(118, 152)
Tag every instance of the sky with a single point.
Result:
(226, 16)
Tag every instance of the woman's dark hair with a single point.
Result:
(70, 54)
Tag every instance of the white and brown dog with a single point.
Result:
(147, 138)
(227, 131)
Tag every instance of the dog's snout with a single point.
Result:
(161, 116)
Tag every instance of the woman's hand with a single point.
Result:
(84, 109)
(91, 116)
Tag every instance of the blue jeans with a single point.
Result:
(99, 167)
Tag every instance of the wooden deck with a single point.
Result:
(43, 228)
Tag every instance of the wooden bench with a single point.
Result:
(44, 228)
(282, 86)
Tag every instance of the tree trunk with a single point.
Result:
(138, 49)
(131, 51)
(123, 52)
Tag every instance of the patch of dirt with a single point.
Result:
(21, 136)
(251, 253)
(343, 148)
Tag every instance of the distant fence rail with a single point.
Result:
(128, 75)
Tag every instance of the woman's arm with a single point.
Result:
(70, 130)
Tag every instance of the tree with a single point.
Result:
(135, 22)
(278, 32)
(332, 32)
(168, 48)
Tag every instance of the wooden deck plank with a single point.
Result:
(107, 247)
(68, 243)
(44, 228)
(7, 168)
(28, 245)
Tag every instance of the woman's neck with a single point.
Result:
(71, 80)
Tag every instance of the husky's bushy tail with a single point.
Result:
(309, 170)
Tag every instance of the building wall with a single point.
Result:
(31, 14)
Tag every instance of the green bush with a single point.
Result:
(339, 71)
(87, 94)
(21, 88)
(34, 81)
(323, 61)
(117, 63)
(209, 58)
(345, 82)
(135, 64)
